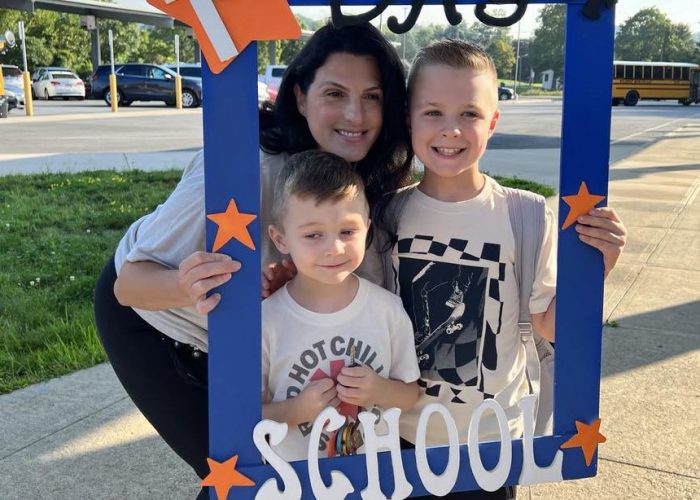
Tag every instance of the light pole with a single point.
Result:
(517, 64)
(403, 43)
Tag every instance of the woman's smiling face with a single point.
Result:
(343, 105)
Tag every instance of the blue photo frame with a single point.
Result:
(232, 171)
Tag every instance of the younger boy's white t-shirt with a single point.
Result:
(453, 268)
(299, 345)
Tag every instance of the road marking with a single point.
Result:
(654, 128)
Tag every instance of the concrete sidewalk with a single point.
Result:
(79, 436)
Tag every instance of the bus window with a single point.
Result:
(639, 72)
(668, 72)
(684, 73)
(658, 73)
(619, 71)
(647, 73)
(629, 72)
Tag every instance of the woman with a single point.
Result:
(344, 93)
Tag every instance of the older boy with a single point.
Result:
(330, 338)
(454, 252)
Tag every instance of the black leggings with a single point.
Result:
(167, 381)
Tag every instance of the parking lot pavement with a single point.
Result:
(86, 135)
(67, 107)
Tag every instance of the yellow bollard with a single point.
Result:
(28, 103)
(113, 92)
(178, 91)
(2, 82)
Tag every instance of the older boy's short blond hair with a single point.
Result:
(453, 53)
(318, 175)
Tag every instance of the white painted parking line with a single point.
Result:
(654, 128)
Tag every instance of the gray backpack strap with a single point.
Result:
(526, 211)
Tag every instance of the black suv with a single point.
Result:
(145, 82)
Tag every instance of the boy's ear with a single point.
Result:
(494, 121)
(301, 100)
(277, 238)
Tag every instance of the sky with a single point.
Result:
(678, 10)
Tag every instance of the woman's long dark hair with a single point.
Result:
(284, 130)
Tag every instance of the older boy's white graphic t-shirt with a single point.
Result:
(299, 346)
(453, 269)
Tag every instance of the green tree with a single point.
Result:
(52, 39)
(501, 51)
(159, 46)
(547, 45)
(285, 50)
(650, 35)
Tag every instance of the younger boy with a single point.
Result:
(330, 338)
(454, 253)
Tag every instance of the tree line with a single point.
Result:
(56, 39)
(649, 35)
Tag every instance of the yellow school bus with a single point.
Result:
(637, 80)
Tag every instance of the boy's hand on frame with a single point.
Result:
(276, 275)
(602, 228)
(359, 386)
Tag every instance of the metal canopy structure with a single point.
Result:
(136, 11)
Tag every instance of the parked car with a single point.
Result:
(39, 72)
(58, 83)
(505, 93)
(3, 106)
(12, 74)
(195, 71)
(187, 70)
(264, 95)
(145, 82)
(273, 76)
(14, 94)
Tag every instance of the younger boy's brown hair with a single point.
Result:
(315, 174)
(454, 53)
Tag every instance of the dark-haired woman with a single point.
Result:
(344, 93)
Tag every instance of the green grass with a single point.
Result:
(514, 182)
(56, 233)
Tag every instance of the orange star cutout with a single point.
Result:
(232, 224)
(223, 476)
(580, 203)
(587, 438)
(244, 20)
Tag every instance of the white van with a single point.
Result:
(273, 76)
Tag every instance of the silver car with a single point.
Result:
(14, 94)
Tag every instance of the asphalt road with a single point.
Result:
(531, 126)
(69, 127)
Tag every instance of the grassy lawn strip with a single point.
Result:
(56, 233)
(517, 182)
(513, 182)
